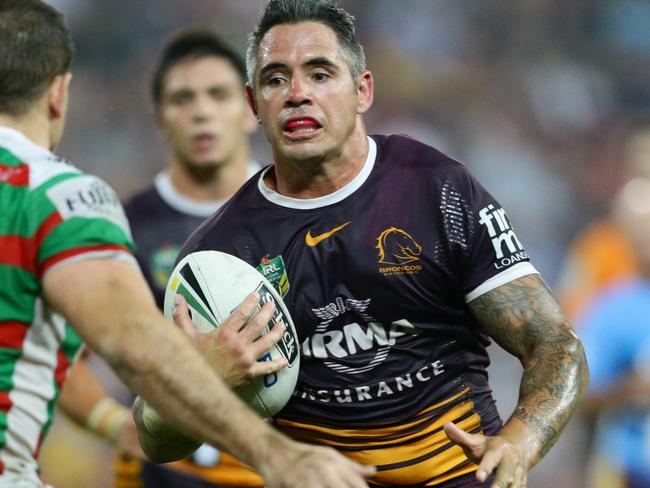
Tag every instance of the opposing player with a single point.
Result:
(65, 255)
(201, 109)
(396, 265)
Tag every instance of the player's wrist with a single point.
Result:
(519, 434)
(107, 419)
(274, 450)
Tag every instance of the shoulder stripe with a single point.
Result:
(49, 174)
(77, 251)
(14, 175)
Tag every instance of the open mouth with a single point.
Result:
(204, 142)
(301, 127)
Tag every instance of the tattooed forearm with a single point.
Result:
(524, 318)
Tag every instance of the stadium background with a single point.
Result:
(531, 95)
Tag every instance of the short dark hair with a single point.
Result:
(193, 44)
(294, 11)
(35, 47)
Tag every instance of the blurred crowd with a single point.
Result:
(533, 96)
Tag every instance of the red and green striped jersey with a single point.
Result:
(51, 214)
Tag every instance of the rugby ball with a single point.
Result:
(214, 285)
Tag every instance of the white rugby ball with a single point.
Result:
(214, 285)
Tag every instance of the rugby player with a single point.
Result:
(200, 105)
(66, 256)
(397, 265)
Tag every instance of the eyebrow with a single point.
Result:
(317, 61)
(321, 61)
(224, 87)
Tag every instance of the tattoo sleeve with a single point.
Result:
(524, 319)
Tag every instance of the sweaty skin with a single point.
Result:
(524, 318)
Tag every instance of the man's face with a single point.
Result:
(305, 96)
(203, 111)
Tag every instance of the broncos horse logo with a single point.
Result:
(397, 247)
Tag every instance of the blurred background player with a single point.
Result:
(68, 274)
(616, 335)
(200, 108)
(602, 253)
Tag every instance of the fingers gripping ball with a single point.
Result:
(214, 284)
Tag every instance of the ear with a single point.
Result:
(250, 123)
(366, 91)
(250, 96)
(57, 95)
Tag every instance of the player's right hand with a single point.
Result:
(493, 454)
(234, 347)
(316, 467)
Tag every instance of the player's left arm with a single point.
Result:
(523, 317)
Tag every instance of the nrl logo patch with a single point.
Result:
(275, 272)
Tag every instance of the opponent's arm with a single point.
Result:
(112, 308)
(232, 350)
(524, 319)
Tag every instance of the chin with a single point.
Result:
(204, 162)
(305, 152)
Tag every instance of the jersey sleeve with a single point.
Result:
(76, 217)
(486, 250)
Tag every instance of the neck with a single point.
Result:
(210, 183)
(312, 179)
(33, 126)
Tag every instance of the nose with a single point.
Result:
(299, 93)
(202, 109)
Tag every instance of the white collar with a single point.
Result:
(26, 149)
(184, 204)
(318, 202)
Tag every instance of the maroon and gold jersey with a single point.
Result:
(377, 277)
